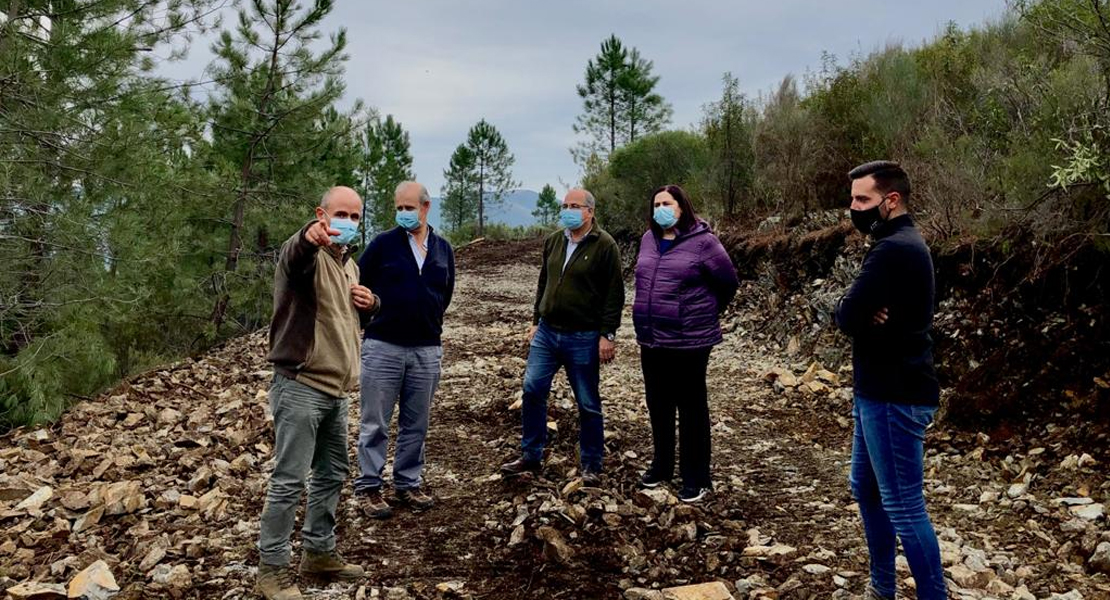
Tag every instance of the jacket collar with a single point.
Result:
(699, 227)
(891, 226)
(592, 233)
(341, 253)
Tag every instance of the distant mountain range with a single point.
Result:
(515, 210)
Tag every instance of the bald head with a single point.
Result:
(339, 193)
(579, 201)
(340, 202)
(581, 197)
(412, 197)
(412, 191)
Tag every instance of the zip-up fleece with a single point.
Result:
(588, 294)
(314, 335)
(413, 298)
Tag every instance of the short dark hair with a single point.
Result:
(688, 218)
(889, 177)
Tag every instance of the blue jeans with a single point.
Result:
(888, 480)
(577, 351)
(393, 374)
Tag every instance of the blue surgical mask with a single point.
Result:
(348, 231)
(408, 219)
(570, 218)
(664, 216)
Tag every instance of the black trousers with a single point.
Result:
(674, 381)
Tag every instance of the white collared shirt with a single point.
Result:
(419, 250)
(573, 245)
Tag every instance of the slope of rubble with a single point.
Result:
(155, 488)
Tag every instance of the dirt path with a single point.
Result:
(781, 523)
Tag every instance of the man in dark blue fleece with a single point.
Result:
(888, 312)
(412, 270)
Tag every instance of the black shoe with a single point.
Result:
(372, 504)
(520, 466)
(591, 478)
(651, 480)
(415, 499)
(690, 495)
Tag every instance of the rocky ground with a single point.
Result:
(155, 488)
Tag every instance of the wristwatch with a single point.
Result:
(612, 337)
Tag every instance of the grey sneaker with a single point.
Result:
(275, 582)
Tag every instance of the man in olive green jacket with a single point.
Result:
(574, 324)
(314, 346)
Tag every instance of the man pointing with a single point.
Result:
(314, 346)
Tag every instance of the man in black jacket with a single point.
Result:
(412, 270)
(888, 312)
(577, 311)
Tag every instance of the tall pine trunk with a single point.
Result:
(235, 240)
(481, 199)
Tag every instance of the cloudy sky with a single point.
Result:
(441, 65)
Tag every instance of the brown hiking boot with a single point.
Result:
(330, 565)
(373, 504)
(520, 466)
(275, 582)
(415, 499)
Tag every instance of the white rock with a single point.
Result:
(1091, 512)
(37, 591)
(1018, 490)
(37, 499)
(1074, 501)
(1100, 559)
(177, 576)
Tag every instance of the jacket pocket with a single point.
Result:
(666, 314)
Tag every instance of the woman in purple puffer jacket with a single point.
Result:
(684, 281)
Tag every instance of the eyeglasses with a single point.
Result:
(574, 206)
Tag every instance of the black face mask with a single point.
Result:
(867, 221)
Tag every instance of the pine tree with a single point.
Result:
(601, 99)
(619, 103)
(478, 176)
(273, 91)
(459, 207)
(492, 170)
(387, 162)
(91, 146)
(547, 207)
(644, 110)
(728, 126)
